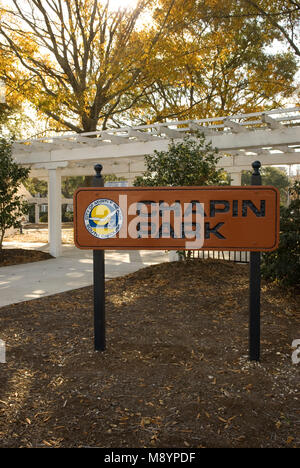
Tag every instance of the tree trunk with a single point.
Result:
(1, 242)
(88, 124)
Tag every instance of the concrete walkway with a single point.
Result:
(74, 269)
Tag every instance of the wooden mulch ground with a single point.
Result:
(16, 256)
(175, 372)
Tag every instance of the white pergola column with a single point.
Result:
(54, 211)
(36, 213)
(236, 178)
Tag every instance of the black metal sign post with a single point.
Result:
(99, 281)
(254, 300)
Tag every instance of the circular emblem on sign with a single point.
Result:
(103, 218)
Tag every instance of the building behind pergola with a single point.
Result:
(271, 137)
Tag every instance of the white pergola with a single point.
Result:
(273, 137)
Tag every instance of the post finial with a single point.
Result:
(256, 175)
(256, 166)
(98, 168)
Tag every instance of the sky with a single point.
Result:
(116, 4)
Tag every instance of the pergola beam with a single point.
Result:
(272, 123)
(141, 136)
(207, 131)
(256, 140)
(115, 139)
(169, 132)
(234, 126)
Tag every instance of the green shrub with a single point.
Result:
(12, 205)
(191, 161)
(283, 265)
(68, 216)
(44, 218)
(271, 176)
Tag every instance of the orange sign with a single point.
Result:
(177, 218)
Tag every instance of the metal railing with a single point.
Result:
(231, 256)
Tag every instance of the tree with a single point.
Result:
(13, 121)
(282, 16)
(216, 60)
(12, 118)
(85, 66)
(79, 58)
(7, 107)
(283, 265)
(271, 176)
(191, 161)
(12, 205)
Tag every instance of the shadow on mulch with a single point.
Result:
(18, 256)
(175, 372)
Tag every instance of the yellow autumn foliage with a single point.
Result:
(84, 65)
